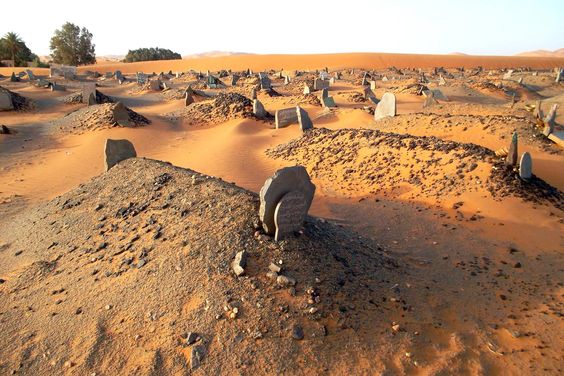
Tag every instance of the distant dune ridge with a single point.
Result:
(544, 53)
(215, 54)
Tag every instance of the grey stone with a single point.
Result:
(297, 333)
(188, 99)
(549, 121)
(121, 116)
(142, 78)
(303, 119)
(196, 356)
(30, 74)
(234, 80)
(92, 99)
(328, 102)
(87, 89)
(386, 107)
(117, 151)
(526, 166)
(285, 117)
(253, 94)
(320, 84)
(239, 263)
(324, 93)
(258, 109)
(285, 180)
(513, 153)
(290, 214)
(6, 103)
(437, 94)
(155, 85)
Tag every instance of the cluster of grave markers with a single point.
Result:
(525, 162)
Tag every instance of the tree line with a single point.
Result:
(72, 45)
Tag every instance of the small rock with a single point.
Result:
(239, 263)
(197, 356)
(297, 333)
(285, 281)
(274, 268)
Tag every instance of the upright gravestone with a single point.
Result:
(286, 80)
(155, 85)
(30, 75)
(6, 103)
(142, 78)
(284, 181)
(234, 80)
(538, 114)
(188, 99)
(372, 85)
(307, 89)
(258, 109)
(92, 99)
(289, 214)
(386, 107)
(549, 121)
(526, 166)
(320, 84)
(559, 75)
(513, 153)
(303, 119)
(328, 102)
(285, 117)
(120, 114)
(253, 94)
(324, 93)
(117, 151)
(87, 89)
(13, 78)
(265, 83)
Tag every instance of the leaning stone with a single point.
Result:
(526, 166)
(303, 119)
(239, 263)
(386, 107)
(512, 155)
(328, 102)
(117, 151)
(549, 121)
(285, 180)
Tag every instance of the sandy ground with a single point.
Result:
(484, 289)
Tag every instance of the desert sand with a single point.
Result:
(428, 256)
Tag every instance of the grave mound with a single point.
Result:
(223, 107)
(19, 102)
(97, 117)
(75, 98)
(131, 273)
(362, 161)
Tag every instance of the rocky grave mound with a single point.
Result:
(223, 107)
(131, 273)
(303, 99)
(100, 116)
(363, 161)
(19, 102)
(77, 97)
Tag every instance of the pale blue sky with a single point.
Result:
(480, 27)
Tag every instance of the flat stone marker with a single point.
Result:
(117, 151)
(155, 85)
(87, 89)
(289, 214)
(526, 166)
(386, 107)
(285, 117)
(320, 84)
(512, 155)
(258, 109)
(121, 116)
(285, 180)
(328, 102)
(303, 119)
(6, 103)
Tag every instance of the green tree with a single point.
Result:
(147, 54)
(12, 47)
(72, 45)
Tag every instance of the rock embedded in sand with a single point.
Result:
(239, 263)
(526, 166)
(386, 107)
(120, 114)
(117, 151)
(285, 180)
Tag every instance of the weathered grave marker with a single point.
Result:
(526, 166)
(285, 180)
(513, 153)
(303, 119)
(319, 84)
(386, 107)
(289, 214)
(328, 102)
(121, 116)
(285, 117)
(6, 103)
(258, 109)
(117, 151)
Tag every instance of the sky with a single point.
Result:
(479, 27)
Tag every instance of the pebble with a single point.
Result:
(285, 281)
(297, 333)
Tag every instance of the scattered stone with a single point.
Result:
(239, 263)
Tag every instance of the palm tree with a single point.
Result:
(13, 44)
